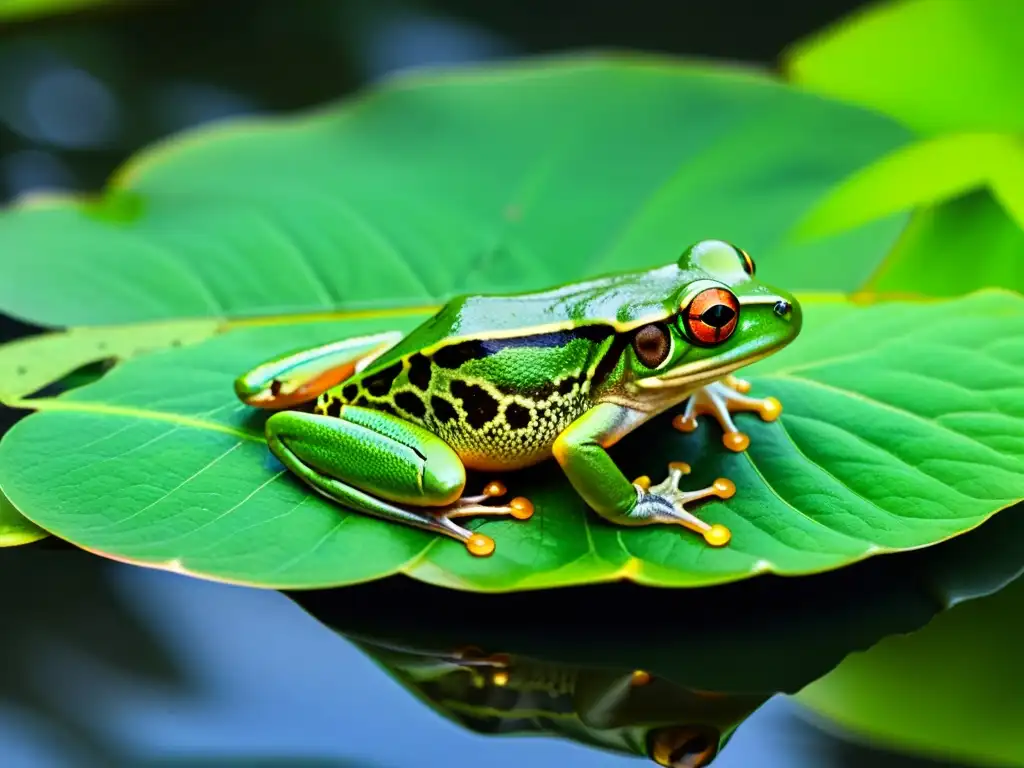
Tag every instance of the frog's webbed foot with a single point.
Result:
(721, 399)
(473, 506)
(665, 503)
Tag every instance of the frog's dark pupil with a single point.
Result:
(718, 316)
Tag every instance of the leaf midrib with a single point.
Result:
(82, 406)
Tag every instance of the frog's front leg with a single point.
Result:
(383, 466)
(721, 399)
(580, 450)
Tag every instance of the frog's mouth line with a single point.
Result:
(701, 374)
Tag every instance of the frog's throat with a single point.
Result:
(698, 374)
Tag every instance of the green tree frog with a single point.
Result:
(501, 382)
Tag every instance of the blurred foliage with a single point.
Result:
(951, 70)
(29, 9)
(300, 214)
(938, 66)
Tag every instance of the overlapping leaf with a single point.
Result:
(515, 177)
(902, 428)
(939, 66)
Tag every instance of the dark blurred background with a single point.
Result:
(103, 664)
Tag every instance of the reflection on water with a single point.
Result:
(621, 710)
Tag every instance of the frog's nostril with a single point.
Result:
(783, 308)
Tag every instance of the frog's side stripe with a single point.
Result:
(455, 355)
(547, 332)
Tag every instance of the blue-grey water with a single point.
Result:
(140, 667)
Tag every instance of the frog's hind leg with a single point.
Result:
(720, 400)
(380, 465)
(301, 376)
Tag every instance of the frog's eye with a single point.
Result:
(652, 344)
(676, 747)
(712, 316)
(748, 263)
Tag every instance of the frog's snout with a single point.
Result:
(783, 308)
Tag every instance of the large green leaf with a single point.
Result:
(925, 173)
(939, 66)
(902, 427)
(949, 690)
(519, 176)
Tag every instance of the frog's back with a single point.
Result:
(624, 300)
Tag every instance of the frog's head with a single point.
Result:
(721, 318)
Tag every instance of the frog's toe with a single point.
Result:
(480, 545)
(720, 400)
(520, 508)
(665, 503)
(740, 385)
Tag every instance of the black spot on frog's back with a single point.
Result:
(444, 411)
(419, 371)
(379, 384)
(479, 405)
(410, 403)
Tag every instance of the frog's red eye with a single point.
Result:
(712, 316)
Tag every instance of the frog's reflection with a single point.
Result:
(624, 710)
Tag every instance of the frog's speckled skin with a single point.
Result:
(503, 382)
(499, 403)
